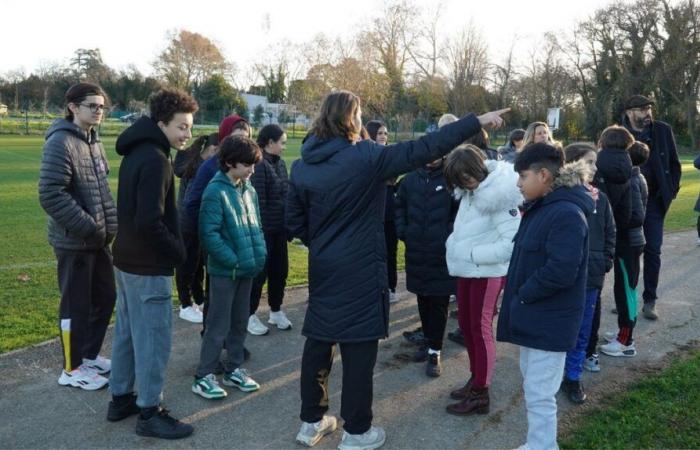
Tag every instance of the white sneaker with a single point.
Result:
(98, 365)
(255, 327)
(610, 336)
(371, 439)
(279, 318)
(453, 298)
(311, 433)
(191, 314)
(82, 378)
(616, 348)
(393, 298)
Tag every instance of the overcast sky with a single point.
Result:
(133, 31)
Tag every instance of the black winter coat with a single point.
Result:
(74, 189)
(633, 235)
(336, 207)
(270, 182)
(149, 240)
(425, 214)
(545, 290)
(601, 242)
(613, 178)
(663, 168)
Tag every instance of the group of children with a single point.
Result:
(544, 229)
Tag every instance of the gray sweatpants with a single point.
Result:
(226, 321)
(142, 336)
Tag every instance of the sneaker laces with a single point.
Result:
(243, 374)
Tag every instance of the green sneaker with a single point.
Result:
(208, 387)
(239, 378)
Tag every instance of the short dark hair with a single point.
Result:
(271, 132)
(373, 127)
(540, 156)
(615, 136)
(238, 149)
(165, 103)
(639, 153)
(577, 150)
(78, 92)
(516, 135)
(465, 160)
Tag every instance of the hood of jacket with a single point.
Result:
(569, 186)
(315, 150)
(226, 126)
(498, 190)
(143, 130)
(614, 165)
(70, 127)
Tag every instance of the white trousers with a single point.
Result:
(542, 374)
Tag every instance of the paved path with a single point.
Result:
(36, 412)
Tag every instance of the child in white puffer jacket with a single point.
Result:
(478, 253)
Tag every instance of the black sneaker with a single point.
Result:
(121, 407)
(161, 425)
(414, 337)
(456, 336)
(433, 368)
(573, 390)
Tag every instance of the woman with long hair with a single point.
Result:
(335, 201)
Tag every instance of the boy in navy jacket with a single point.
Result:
(545, 289)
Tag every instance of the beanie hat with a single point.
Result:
(226, 126)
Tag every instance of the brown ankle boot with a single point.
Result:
(463, 392)
(477, 402)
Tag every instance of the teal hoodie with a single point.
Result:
(230, 229)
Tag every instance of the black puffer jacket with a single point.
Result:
(336, 207)
(149, 240)
(633, 235)
(425, 213)
(270, 181)
(601, 242)
(73, 189)
(613, 178)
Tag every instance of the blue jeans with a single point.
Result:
(654, 235)
(142, 336)
(573, 367)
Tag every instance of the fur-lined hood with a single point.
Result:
(572, 174)
(497, 192)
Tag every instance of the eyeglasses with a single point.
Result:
(94, 107)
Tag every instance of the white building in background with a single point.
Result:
(3, 109)
(273, 110)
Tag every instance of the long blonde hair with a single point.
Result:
(529, 137)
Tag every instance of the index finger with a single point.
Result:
(502, 111)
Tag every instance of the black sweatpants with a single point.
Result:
(189, 276)
(433, 318)
(627, 265)
(275, 272)
(358, 369)
(88, 295)
(392, 245)
(595, 327)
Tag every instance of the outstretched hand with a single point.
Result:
(492, 119)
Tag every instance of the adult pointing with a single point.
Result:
(335, 206)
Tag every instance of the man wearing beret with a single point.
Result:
(663, 174)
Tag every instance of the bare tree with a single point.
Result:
(429, 47)
(467, 57)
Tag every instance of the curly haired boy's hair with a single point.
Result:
(165, 103)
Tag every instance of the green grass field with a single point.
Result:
(28, 288)
(660, 411)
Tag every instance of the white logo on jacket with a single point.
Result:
(482, 241)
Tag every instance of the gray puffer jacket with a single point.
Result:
(73, 189)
